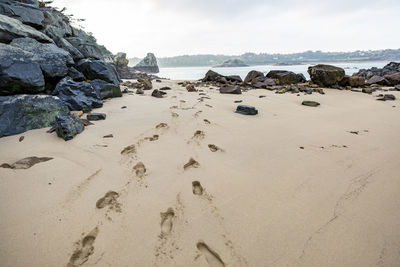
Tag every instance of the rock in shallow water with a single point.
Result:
(21, 113)
(68, 126)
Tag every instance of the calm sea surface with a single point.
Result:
(195, 73)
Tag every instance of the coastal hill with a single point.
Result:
(265, 58)
(230, 63)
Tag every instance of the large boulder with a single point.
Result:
(148, 64)
(68, 126)
(212, 76)
(20, 113)
(326, 75)
(19, 72)
(76, 75)
(57, 36)
(252, 76)
(377, 80)
(26, 13)
(97, 69)
(286, 77)
(394, 78)
(353, 81)
(106, 90)
(59, 22)
(12, 28)
(230, 90)
(53, 60)
(78, 95)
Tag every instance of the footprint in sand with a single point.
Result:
(162, 125)
(152, 138)
(199, 135)
(182, 101)
(212, 258)
(191, 164)
(166, 221)
(175, 115)
(207, 105)
(206, 121)
(140, 169)
(173, 107)
(129, 150)
(214, 148)
(197, 113)
(197, 188)
(85, 249)
(109, 200)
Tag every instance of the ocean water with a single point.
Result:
(195, 73)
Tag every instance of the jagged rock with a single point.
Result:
(106, 90)
(19, 71)
(326, 75)
(96, 116)
(252, 76)
(394, 78)
(286, 77)
(146, 84)
(310, 103)
(234, 78)
(28, 14)
(246, 110)
(352, 81)
(57, 37)
(78, 95)
(76, 75)
(53, 61)
(148, 64)
(97, 69)
(21, 113)
(377, 80)
(12, 28)
(390, 68)
(191, 88)
(59, 22)
(230, 90)
(68, 126)
(158, 94)
(211, 76)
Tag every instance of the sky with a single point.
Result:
(233, 27)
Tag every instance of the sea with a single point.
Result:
(195, 73)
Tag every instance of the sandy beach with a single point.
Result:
(291, 186)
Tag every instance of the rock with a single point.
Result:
(97, 69)
(106, 90)
(166, 88)
(326, 75)
(121, 64)
(148, 64)
(108, 136)
(139, 92)
(96, 116)
(230, 63)
(12, 28)
(28, 14)
(211, 76)
(234, 78)
(191, 88)
(68, 126)
(21, 113)
(368, 90)
(59, 40)
(286, 77)
(352, 81)
(25, 163)
(397, 87)
(394, 79)
(377, 80)
(390, 68)
(78, 113)
(146, 84)
(246, 110)
(252, 75)
(310, 103)
(387, 97)
(53, 61)
(76, 75)
(78, 95)
(19, 71)
(230, 90)
(158, 94)
(59, 23)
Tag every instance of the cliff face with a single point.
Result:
(40, 51)
(148, 64)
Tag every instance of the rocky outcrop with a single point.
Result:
(148, 64)
(231, 63)
(390, 68)
(252, 75)
(106, 90)
(78, 95)
(326, 75)
(68, 126)
(286, 77)
(29, 14)
(20, 113)
(97, 69)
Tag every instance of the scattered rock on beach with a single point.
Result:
(67, 127)
(246, 110)
(386, 97)
(326, 75)
(25, 163)
(286, 77)
(252, 75)
(230, 90)
(158, 94)
(191, 88)
(310, 103)
(96, 116)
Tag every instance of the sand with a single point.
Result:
(251, 196)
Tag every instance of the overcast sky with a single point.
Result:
(233, 27)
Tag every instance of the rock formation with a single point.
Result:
(148, 64)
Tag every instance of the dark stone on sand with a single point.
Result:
(191, 88)
(326, 75)
(387, 97)
(246, 110)
(230, 90)
(377, 80)
(166, 88)
(158, 94)
(25, 163)
(368, 90)
(310, 103)
(96, 116)
(252, 75)
(97, 69)
(286, 77)
(68, 126)
(106, 90)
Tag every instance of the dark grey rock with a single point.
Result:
(21, 113)
(252, 76)
(212, 76)
(12, 28)
(158, 94)
(57, 36)
(76, 75)
(286, 77)
(166, 88)
(377, 80)
(148, 64)
(96, 116)
(28, 14)
(368, 90)
(394, 78)
(390, 68)
(234, 78)
(310, 103)
(326, 75)
(97, 69)
(68, 126)
(387, 97)
(106, 90)
(352, 81)
(246, 110)
(19, 72)
(78, 95)
(230, 90)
